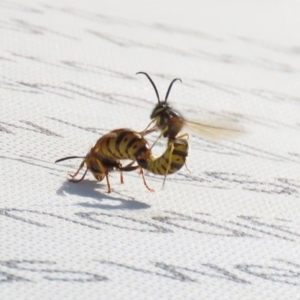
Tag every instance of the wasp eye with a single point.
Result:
(154, 114)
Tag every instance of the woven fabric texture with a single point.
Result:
(229, 229)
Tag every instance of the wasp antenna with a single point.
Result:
(155, 89)
(170, 86)
(69, 157)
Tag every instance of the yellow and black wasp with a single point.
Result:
(122, 144)
(170, 122)
(99, 166)
(128, 144)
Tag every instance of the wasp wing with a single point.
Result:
(215, 131)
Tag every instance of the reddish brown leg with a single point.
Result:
(144, 179)
(80, 167)
(107, 181)
(78, 180)
(121, 177)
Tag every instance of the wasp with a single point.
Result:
(99, 166)
(170, 122)
(128, 144)
(121, 144)
(124, 144)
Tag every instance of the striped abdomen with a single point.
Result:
(172, 159)
(123, 144)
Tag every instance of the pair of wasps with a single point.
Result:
(121, 144)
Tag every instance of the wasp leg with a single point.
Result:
(80, 167)
(126, 168)
(107, 181)
(144, 132)
(144, 179)
(78, 180)
(187, 168)
(131, 168)
(161, 134)
(121, 177)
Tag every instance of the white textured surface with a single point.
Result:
(229, 230)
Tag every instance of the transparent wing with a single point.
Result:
(215, 131)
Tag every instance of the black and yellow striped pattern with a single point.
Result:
(128, 144)
(171, 161)
(123, 144)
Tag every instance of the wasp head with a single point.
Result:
(160, 109)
